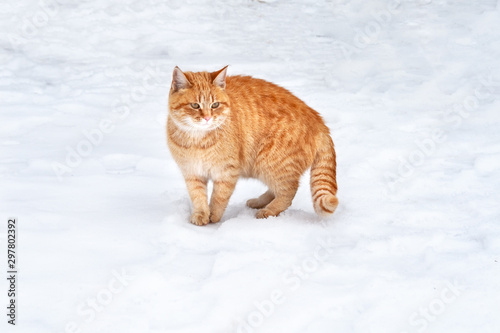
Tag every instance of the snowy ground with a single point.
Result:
(410, 90)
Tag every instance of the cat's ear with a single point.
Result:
(179, 80)
(219, 77)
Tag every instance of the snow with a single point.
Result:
(410, 90)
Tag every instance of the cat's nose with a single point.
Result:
(207, 118)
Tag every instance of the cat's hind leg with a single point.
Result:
(261, 201)
(283, 199)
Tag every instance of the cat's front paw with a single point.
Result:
(214, 217)
(200, 218)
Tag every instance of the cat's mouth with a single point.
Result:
(204, 125)
(205, 122)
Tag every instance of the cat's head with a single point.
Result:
(198, 101)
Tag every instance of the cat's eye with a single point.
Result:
(215, 105)
(195, 105)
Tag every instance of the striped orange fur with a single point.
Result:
(222, 128)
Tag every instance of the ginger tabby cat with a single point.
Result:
(222, 128)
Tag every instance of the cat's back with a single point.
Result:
(247, 89)
(260, 98)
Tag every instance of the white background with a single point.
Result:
(410, 90)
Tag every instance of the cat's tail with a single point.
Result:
(324, 178)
